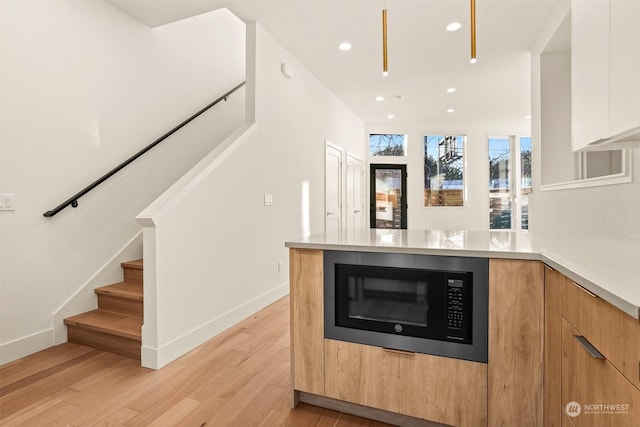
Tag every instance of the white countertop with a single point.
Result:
(608, 266)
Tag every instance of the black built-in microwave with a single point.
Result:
(420, 303)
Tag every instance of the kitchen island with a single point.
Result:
(521, 382)
(607, 266)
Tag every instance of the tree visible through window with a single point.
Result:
(444, 170)
(386, 144)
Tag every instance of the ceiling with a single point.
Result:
(424, 58)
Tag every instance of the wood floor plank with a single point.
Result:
(253, 412)
(34, 408)
(45, 373)
(40, 361)
(239, 378)
(55, 412)
(174, 415)
(112, 418)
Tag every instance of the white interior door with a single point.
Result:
(355, 201)
(333, 188)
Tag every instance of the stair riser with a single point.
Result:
(120, 305)
(132, 275)
(102, 341)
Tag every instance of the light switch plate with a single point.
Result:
(268, 199)
(7, 202)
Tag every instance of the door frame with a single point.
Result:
(331, 146)
(351, 159)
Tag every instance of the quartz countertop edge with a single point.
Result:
(571, 259)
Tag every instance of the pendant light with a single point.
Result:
(385, 65)
(473, 32)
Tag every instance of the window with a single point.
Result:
(387, 144)
(509, 182)
(444, 170)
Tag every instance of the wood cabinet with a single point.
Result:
(605, 69)
(598, 393)
(592, 366)
(307, 320)
(440, 389)
(613, 332)
(553, 282)
(506, 391)
(516, 328)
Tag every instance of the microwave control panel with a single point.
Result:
(455, 304)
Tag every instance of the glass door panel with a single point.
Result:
(500, 210)
(388, 207)
(526, 185)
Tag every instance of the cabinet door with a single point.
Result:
(613, 332)
(516, 334)
(307, 320)
(625, 65)
(589, 72)
(441, 389)
(596, 393)
(553, 282)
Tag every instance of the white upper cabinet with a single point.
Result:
(589, 72)
(625, 65)
(605, 70)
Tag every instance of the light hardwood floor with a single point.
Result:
(239, 378)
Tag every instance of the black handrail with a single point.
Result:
(73, 200)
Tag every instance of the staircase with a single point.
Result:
(116, 325)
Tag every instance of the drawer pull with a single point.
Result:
(589, 347)
(405, 352)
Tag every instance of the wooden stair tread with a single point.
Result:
(125, 290)
(108, 322)
(136, 264)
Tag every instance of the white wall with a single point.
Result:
(217, 251)
(474, 215)
(560, 162)
(608, 210)
(83, 87)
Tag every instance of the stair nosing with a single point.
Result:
(104, 290)
(133, 265)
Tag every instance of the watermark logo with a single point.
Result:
(573, 409)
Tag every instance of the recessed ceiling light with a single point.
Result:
(344, 46)
(391, 116)
(451, 110)
(527, 117)
(379, 98)
(451, 90)
(454, 26)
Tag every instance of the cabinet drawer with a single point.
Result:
(613, 332)
(597, 392)
(440, 389)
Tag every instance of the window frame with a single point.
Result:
(465, 139)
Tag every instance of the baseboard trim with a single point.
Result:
(365, 411)
(21, 347)
(156, 358)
